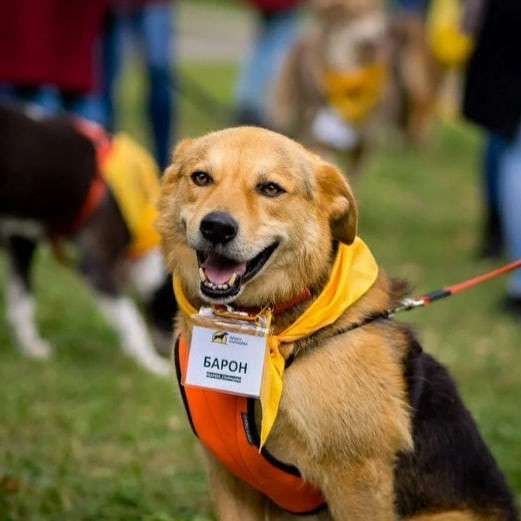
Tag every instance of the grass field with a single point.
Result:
(88, 436)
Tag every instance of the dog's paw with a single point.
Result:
(38, 349)
(155, 365)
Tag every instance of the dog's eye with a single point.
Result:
(270, 189)
(201, 178)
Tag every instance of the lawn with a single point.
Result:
(89, 436)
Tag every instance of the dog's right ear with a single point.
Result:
(340, 203)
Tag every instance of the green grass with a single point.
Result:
(88, 436)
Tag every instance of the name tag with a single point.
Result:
(226, 361)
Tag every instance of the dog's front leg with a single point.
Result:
(20, 303)
(362, 492)
(123, 315)
(234, 499)
(100, 271)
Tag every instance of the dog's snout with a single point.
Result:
(219, 227)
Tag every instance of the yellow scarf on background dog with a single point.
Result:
(352, 275)
(356, 93)
(133, 178)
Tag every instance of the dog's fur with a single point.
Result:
(344, 36)
(46, 168)
(366, 416)
(415, 76)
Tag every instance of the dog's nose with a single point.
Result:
(219, 227)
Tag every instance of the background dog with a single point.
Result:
(47, 168)
(367, 417)
(333, 80)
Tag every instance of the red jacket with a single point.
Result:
(50, 42)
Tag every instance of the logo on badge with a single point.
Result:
(220, 337)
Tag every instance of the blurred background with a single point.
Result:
(419, 102)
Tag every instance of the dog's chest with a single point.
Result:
(343, 400)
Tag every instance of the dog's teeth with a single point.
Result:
(231, 282)
(202, 275)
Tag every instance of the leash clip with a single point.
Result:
(407, 304)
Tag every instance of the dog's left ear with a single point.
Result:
(340, 201)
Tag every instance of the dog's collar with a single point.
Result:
(276, 309)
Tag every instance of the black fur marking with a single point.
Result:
(162, 307)
(46, 168)
(451, 467)
(21, 251)
(103, 245)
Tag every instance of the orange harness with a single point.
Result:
(98, 188)
(225, 425)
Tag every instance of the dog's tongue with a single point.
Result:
(220, 270)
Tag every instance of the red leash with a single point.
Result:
(439, 294)
(407, 304)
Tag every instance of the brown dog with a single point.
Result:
(365, 416)
(332, 82)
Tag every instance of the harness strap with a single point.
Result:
(97, 191)
(98, 187)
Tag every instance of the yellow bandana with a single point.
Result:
(355, 94)
(449, 44)
(133, 178)
(352, 275)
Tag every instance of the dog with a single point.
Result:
(47, 169)
(332, 83)
(370, 422)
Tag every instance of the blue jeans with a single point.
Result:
(276, 33)
(510, 206)
(151, 30)
(494, 148)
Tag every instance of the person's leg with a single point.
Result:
(276, 34)
(510, 205)
(98, 106)
(111, 50)
(157, 20)
(410, 6)
(492, 245)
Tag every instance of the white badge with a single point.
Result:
(226, 361)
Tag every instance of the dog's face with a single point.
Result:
(248, 215)
(356, 41)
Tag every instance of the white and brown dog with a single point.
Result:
(48, 170)
(333, 80)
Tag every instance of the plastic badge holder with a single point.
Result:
(228, 351)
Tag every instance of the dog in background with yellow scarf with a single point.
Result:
(360, 425)
(65, 181)
(333, 80)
